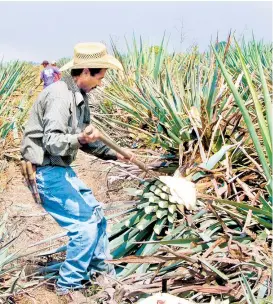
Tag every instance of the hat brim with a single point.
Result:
(106, 62)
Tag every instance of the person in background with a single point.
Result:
(56, 76)
(47, 74)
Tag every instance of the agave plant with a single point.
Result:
(166, 105)
(17, 79)
(189, 106)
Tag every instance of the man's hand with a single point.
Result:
(131, 155)
(90, 134)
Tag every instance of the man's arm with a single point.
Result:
(99, 149)
(56, 139)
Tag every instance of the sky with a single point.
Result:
(35, 31)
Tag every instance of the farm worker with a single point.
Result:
(56, 129)
(56, 76)
(47, 74)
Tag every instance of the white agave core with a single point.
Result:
(182, 190)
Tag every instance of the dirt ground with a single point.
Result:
(26, 216)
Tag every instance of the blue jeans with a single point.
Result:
(69, 201)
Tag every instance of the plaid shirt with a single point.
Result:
(59, 114)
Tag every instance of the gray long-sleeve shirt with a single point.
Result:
(59, 114)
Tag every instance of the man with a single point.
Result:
(56, 76)
(48, 73)
(55, 131)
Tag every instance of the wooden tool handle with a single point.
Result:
(117, 148)
(30, 172)
(121, 151)
(24, 168)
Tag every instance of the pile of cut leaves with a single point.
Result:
(221, 248)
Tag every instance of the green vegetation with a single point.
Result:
(213, 113)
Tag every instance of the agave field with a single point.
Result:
(210, 116)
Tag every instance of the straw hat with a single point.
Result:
(92, 55)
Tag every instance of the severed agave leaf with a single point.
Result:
(134, 191)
